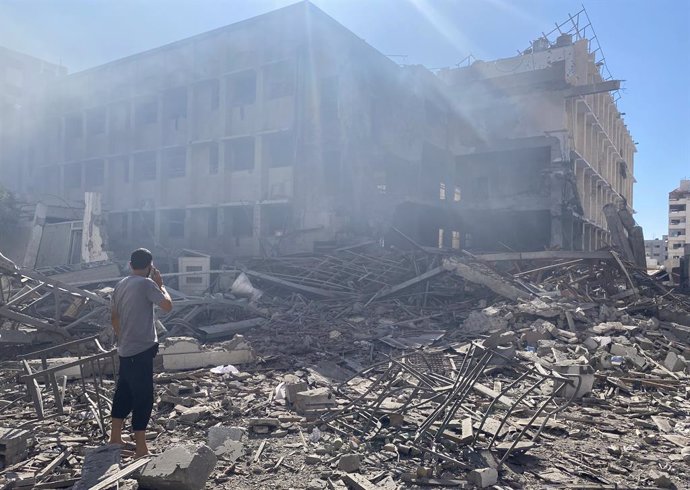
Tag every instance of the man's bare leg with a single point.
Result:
(116, 431)
(140, 440)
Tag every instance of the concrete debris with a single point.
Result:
(182, 353)
(349, 463)
(378, 381)
(183, 467)
(483, 477)
(13, 445)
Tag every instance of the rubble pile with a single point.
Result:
(364, 368)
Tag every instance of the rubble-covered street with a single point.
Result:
(364, 368)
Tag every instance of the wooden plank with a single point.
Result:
(123, 473)
(257, 454)
(56, 484)
(53, 464)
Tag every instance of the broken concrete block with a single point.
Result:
(13, 445)
(183, 467)
(478, 322)
(180, 353)
(230, 450)
(572, 370)
(483, 477)
(313, 401)
(629, 352)
(685, 453)
(293, 385)
(312, 459)
(263, 426)
(544, 347)
(219, 434)
(194, 414)
(674, 362)
(349, 463)
(98, 462)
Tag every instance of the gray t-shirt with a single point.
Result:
(133, 301)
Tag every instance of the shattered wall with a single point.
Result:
(554, 92)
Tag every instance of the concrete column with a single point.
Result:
(257, 229)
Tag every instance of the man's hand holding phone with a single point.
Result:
(155, 275)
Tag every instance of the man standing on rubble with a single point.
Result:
(137, 344)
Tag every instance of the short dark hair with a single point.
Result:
(141, 259)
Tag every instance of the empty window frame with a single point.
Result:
(94, 173)
(279, 149)
(146, 112)
(242, 221)
(456, 240)
(95, 121)
(73, 126)
(119, 169)
(175, 161)
(143, 225)
(279, 79)
(442, 191)
(457, 194)
(144, 166)
(72, 176)
(239, 153)
(241, 88)
(174, 222)
(175, 103)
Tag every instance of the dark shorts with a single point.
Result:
(134, 391)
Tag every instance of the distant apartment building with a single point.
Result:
(656, 251)
(678, 223)
(284, 131)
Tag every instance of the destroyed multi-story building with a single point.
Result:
(286, 130)
(678, 223)
(552, 148)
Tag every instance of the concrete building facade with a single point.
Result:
(285, 131)
(678, 223)
(656, 251)
(23, 79)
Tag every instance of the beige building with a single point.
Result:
(551, 148)
(678, 223)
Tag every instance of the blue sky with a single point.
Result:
(646, 43)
